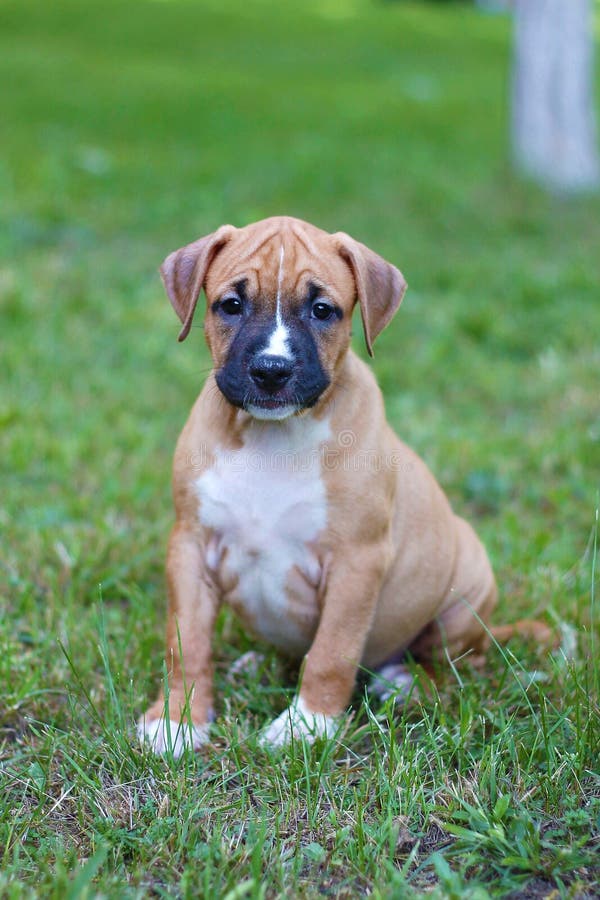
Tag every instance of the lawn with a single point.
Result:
(129, 129)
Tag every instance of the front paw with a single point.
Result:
(164, 735)
(298, 722)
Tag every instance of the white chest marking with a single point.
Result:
(266, 503)
(279, 339)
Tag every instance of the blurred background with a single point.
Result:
(131, 128)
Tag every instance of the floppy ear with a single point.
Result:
(380, 286)
(184, 271)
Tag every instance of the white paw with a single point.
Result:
(164, 735)
(246, 665)
(298, 722)
(391, 681)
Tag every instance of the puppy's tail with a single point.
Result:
(531, 629)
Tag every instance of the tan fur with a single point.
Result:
(397, 568)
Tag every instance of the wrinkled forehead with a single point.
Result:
(280, 262)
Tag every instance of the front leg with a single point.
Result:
(330, 666)
(193, 606)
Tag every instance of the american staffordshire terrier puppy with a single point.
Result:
(295, 501)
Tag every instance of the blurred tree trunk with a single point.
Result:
(554, 127)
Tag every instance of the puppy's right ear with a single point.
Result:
(380, 286)
(184, 272)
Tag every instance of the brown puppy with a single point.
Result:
(295, 501)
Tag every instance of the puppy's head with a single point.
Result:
(280, 298)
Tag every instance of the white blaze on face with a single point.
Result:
(279, 340)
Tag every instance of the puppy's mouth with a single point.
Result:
(268, 404)
(263, 408)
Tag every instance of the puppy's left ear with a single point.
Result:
(380, 286)
(184, 272)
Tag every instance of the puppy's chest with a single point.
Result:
(266, 506)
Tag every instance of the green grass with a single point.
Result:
(127, 130)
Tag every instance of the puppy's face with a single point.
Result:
(280, 295)
(278, 320)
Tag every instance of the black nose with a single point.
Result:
(271, 372)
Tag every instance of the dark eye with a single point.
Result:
(321, 310)
(231, 306)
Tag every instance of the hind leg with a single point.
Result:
(462, 624)
(391, 680)
(461, 629)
